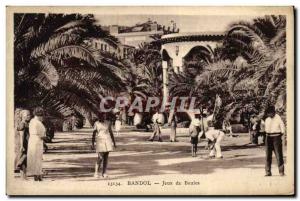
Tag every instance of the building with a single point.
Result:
(128, 39)
(140, 34)
(135, 36)
(176, 47)
(109, 46)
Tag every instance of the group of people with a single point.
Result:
(201, 125)
(257, 129)
(31, 132)
(271, 129)
(29, 137)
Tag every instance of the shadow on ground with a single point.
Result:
(71, 157)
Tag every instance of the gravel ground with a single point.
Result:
(162, 166)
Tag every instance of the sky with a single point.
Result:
(186, 23)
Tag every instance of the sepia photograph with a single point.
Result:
(151, 101)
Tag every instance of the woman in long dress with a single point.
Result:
(105, 143)
(23, 136)
(37, 133)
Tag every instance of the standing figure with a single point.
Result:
(23, 132)
(158, 121)
(130, 118)
(118, 124)
(173, 123)
(253, 129)
(262, 131)
(257, 128)
(275, 129)
(123, 116)
(37, 132)
(215, 137)
(105, 143)
(194, 130)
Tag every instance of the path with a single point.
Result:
(70, 158)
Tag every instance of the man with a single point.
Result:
(172, 121)
(158, 120)
(215, 137)
(262, 131)
(253, 129)
(130, 118)
(274, 128)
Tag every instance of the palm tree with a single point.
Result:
(261, 76)
(247, 70)
(196, 62)
(55, 68)
(142, 74)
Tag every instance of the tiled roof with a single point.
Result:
(184, 37)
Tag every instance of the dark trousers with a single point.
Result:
(130, 120)
(253, 137)
(274, 143)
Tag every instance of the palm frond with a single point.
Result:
(48, 76)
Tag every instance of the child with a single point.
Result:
(194, 130)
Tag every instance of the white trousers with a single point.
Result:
(216, 151)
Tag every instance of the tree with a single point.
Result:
(142, 73)
(247, 70)
(260, 78)
(56, 69)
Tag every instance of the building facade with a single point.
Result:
(175, 47)
(114, 48)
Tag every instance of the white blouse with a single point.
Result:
(36, 127)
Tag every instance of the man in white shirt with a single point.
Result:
(158, 120)
(274, 128)
(215, 137)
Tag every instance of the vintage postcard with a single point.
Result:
(150, 101)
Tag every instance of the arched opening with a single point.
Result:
(165, 55)
(197, 58)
